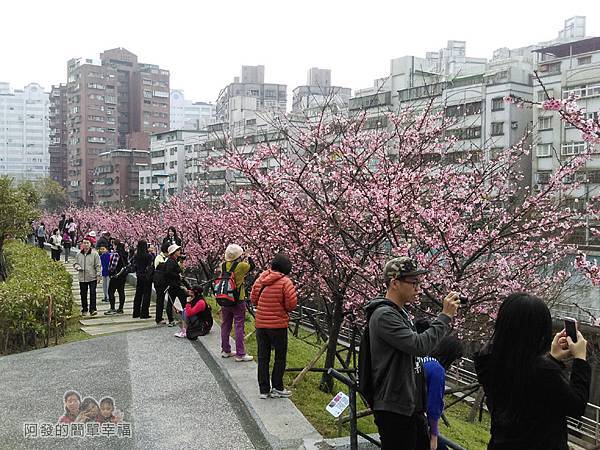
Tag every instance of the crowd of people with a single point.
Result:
(402, 362)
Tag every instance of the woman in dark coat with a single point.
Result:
(521, 370)
(144, 267)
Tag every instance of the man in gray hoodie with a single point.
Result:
(89, 272)
(395, 345)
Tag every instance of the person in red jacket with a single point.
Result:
(274, 296)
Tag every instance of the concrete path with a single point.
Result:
(170, 391)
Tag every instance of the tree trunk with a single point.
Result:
(326, 384)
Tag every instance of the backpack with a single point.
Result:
(365, 383)
(226, 292)
(200, 324)
(159, 273)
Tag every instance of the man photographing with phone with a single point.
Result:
(398, 393)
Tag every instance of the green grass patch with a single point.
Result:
(311, 401)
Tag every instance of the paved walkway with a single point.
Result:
(163, 385)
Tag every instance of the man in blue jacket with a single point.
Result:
(395, 345)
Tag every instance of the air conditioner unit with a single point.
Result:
(514, 125)
(537, 187)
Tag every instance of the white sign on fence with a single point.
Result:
(338, 404)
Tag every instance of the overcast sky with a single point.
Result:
(204, 43)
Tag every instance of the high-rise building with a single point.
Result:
(58, 134)
(113, 103)
(188, 115)
(251, 100)
(24, 132)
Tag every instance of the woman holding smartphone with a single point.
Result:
(521, 370)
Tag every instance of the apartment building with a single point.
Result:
(115, 102)
(115, 177)
(58, 135)
(250, 100)
(565, 69)
(170, 152)
(24, 132)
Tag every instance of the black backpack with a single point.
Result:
(365, 385)
(200, 324)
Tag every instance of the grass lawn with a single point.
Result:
(311, 401)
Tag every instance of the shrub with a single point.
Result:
(33, 279)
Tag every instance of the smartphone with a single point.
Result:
(463, 300)
(571, 328)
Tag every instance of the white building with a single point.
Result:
(24, 132)
(170, 152)
(188, 115)
(568, 68)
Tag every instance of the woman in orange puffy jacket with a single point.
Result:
(274, 296)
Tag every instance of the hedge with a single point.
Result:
(33, 278)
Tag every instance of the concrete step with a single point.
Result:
(107, 329)
(112, 320)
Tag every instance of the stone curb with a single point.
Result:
(282, 424)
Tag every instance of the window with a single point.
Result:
(173, 164)
(497, 128)
(147, 81)
(543, 177)
(95, 86)
(590, 90)
(544, 123)
(95, 129)
(147, 94)
(96, 118)
(584, 60)
(497, 104)
(96, 97)
(112, 99)
(544, 150)
(550, 68)
(96, 139)
(573, 148)
(161, 94)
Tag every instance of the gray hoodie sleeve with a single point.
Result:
(397, 334)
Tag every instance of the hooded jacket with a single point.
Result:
(395, 344)
(542, 420)
(277, 299)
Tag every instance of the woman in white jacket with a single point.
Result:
(55, 245)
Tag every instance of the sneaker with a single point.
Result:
(264, 396)
(284, 393)
(172, 323)
(110, 312)
(227, 354)
(119, 311)
(161, 323)
(93, 313)
(84, 313)
(244, 358)
(180, 334)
